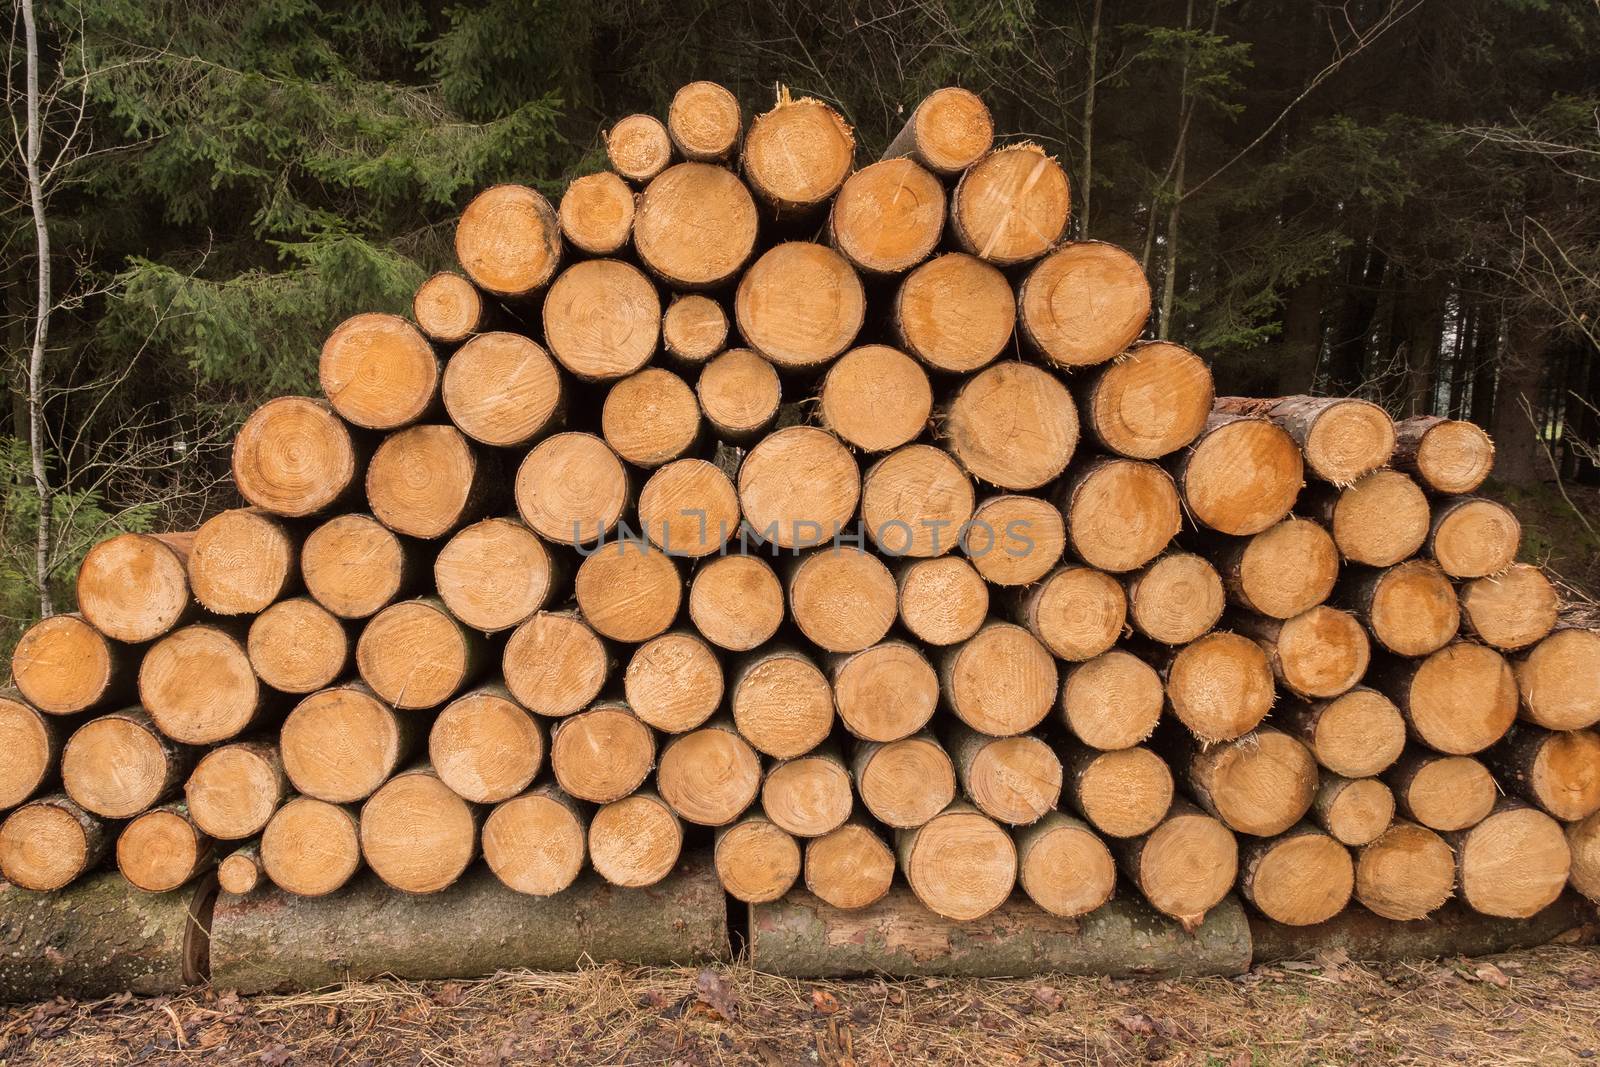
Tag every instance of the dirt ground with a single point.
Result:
(1536, 1007)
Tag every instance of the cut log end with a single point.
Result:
(1084, 303)
(536, 843)
(1121, 513)
(1013, 425)
(603, 754)
(1001, 681)
(1220, 686)
(311, 847)
(1150, 402)
(416, 834)
(293, 456)
(1011, 206)
(494, 574)
(736, 602)
(942, 601)
(1013, 780)
(1557, 770)
(198, 685)
(1381, 519)
(354, 565)
(62, 665)
(509, 241)
(1443, 793)
(118, 765)
(798, 154)
(32, 744)
(1014, 540)
(809, 796)
(597, 213)
(799, 486)
(1064, 867)
(885, 692)
(1076, 612)
(1242, 476)
(1449, 455)
(695, 226)
(950, 130)
(1346, 438)
(425, 481)
(1411, 609)
(1124, 793)
(1177, 599)
(485, 746)
(161, 850)
(298, 646)
(46, 844)
(1320, 653)
(876, 398)
(448, 308)
(1472, 538)
(842, 598)
(638, 147)
(1284, 570)
(709, 776)
(1511, 610)
(1261, 784)
(240, 872)
(340, 744)
(234, 790)
(415, 655)
(782, 703)
(502, 389)
(635, 842)
(704, 121)
(757, 862)
(1112, 701)
(378, 371)
(1185, 866)
(571, 489)
(888, 216)
(955, 313)
(602, 319)
(905, 783)
(1461, 699)
(800, 305)
(960, 863)
(674, 682)
(1583, 838)
(739, 393)
(1407, 873)
(850, 868)
(134, 587)
(650, 418)
(1357, 734)
(694, 328)
(1302, 878)
(629, 591)
(1354, 810)
(1559, 679)
(1514, 863)
(242, 561)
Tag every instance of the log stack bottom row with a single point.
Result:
(752, 522)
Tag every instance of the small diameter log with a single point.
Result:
(638, 148)
(340, 744)
(417, 834)
(1378, 520)
(1343, 438)
(1011, 206)
(809, 796)
(884, 692)
(379, 372)
(571, 489)
(799, 487)
(635, 842)
(1559, 680)
(62, 665)
(1012, 425)
(1261, 784)
(650, 418)
(495, 574)
(240, 871)
(1149, 402)
(739, 394)
(508, 241)
(1283, 570)
(756, 861)
(294, 457)
(485, 746)
(1583, 838)
(1014, 540)
(502, 389)
(695, 226)
(1175, 600)
(842, 598)
(1356, 734)
(1064, 867)
(427, 481)
(950, 130)
(1514, 863)
(596, 214)
(1407, 873)
(1124, 793)
(1446, 455)
(1241, 475)
(850, 868)
(602, 319)
(1510, 610)
(1411, 609)
(554, 664)
(354, 565)
(904, 783)
(797, 155)
(955, 313)
(1076, 612)
(536, 843)
(1560, 772)
(120, 764)
(1459, 700)
(960, 864)
(1317, 654)
(163, 849)
(298, 646)
(876, 398)
(1001, 681)
(887, 217)
(1013, 780)
(1220, 686)
(449, 309)
(1472, 537)
(1121, 513)
(242, 561)
(234, 789)
(736, 602)
(689, 508)
(1069, 330)
(198, 685)
(32, 743)
(311, 847)
(1354, 810)
(1442, 792)
(135, 587)
(800, 305)
(674, 682)
(704, 122)
(47, 843)
(629, 590)
(694, 328)
(942, 601)
(416, 655)
(601, 754)
(1185, 866)
(1300, 878)
(1112, 701)
(709, 776)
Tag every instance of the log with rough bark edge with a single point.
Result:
(1176, 599)
(266, 942)
(1014, 780)
(850, 868)
(1441, 792)
(739, 394)
(100, 939)
(638, 147)
(311, 847)
(135, 587)
(709, 776)
(234, 789)
(797, 155)
(1283, 570)
(1150, 402)
(887, 217)
(340, 744)
(1120, 513)
(242, 560)
(1558, 771)
(602, 319)
(955, 313)
(1064, 867)
(876, 398)
(1241, 475)
(904, 783)
(809, 796)
(1083, 304)
(757, 862)
(704, 122)
(485, 746)
(1299, 878)
(293, 456)
(240, 871)
(1220, 686)
(162, 849)
(353, 565)
(449, 309)
(636, 841)
(800, 305)
(1378, 520)
(942, 601)
(62, 665)
(884, 692)
(32, 743)
(1011, 206)
(799, 487)
(508, 241)
(417, 834)
(1012, 425)
(1459, 700)
(695, 226)
(415, 654)
(572, 488)
(1123, 793)
(1510, 610)
(1472, 537)
(650, 418)
(1014, 539)
(47, 843)
(1354, 810)
(1411, 609)
(597, 213)
(1448, 455)
(1076, 612)
(502, 389)
(629, 590)
(1260, 784)
(1001, 681)
(1317, 654)
(426, 481)
(1408, 872)
(1112, 701)
(736, 602)
(198, 685)
(536, 843)
(120, 764)
(950, 130)
(1343, 438)
(842, 598)
(1356, 734)
(602, 754)
(960, 863)
(1514, 863)
(694, 328)
(379, 372)
(495, 574)
(1185, 866)
(1583, 838)
(674, 682)
(1559, 680)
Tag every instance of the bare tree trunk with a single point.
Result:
(1088, 121)
(1422, 315)
(1519, 456)
(41, 322)
(1180, 160)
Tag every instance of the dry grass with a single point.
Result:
(1538, 1007)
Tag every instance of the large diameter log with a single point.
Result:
(234, 789)
(1001, 681)
(354, 565)
(799, 487)
(417, 834)
(379, 372)
(269, 941)
(294, 457)
(955, 313)
(960, 863)
(1459, 700)
(709, 776)
(1064, 867)
(1356, 734)
(1583, 838)
(298, 646)
(163, 849)
(416, 655)
(1014, 540)
(650, 417)
(120, 764)
(629, 590)
(1220, 686)
(135, 587)
(1011, 206)
(842, 598)
(1176, 599)
(1407, 873)
(904, 783)
(1013, 780)
(887, 217)
(198, 685)
(495, 574)
(809, 796)
(1343, 438)
(736, 602)
(554, 664)
(1261, 784)
(47, 843)
(240, 871)
(342, 743)
(797, 155)
(916, 501)
(850, 868)
(1510, 610)
(674, 682)
(1411, 609)
(1514, 863)
(425, 481)
(1353, 810)
(62, 665)
(695, 226)
(1472, 537)
(942, 601)
(884, 692)
(1241, 475)
(757, 862)
(739, 394)
(1120, 513)
(638, 147)
(800, 305)
(1124, 793)
(1559, 680)
(508, 241)
(1560, 772)
(102, 938)
(876, 398)
(949, 130)
(1442, 792)
(242, 561)
(1150, 402)
(704, 122)
(1112, 701)
(1185, 866)
(1299, 878)
(1447, 455)
(311, 847)
(636, 841)
(449, 309)
(602, 319)
(1317, 654)
(1076, 612)
(602, 754)
(1283, 570)
(596, 213)
(1378, 520)
(1012, 425)
(32, 743)
(502, 389)
(571, 489)
(536, 843)
(1069, 330)
(485, 746)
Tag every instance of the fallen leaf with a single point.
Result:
(713, 990)
(276, 1056)
(1488, 972)
(1049, 996)
(449, 995)
(1137, 1023)
(824, 1002)
(653, 998)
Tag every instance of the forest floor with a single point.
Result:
(1535, 1007)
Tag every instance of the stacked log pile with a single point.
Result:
(836, 519)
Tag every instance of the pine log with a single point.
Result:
(1510, 610)
(449, 309)
(602, 319)
(47, 843)
(629, 590)
(1283, 570)
(674, 682)
(693, 329)
(485, 746)
(1124, 793)
(311, 847)
(1459, 700)
(800, 305)
(379, 372)
(294, 457)
(695, 226)
(1011, 206)
(955, 313)
(904, 783)
(417, 834)
(1318, 654)
(198, 685)
(554, 664)
(415, 654)
(1377, 520)
(1407, 873)
(1260, 784)
(502, 389)
(508, 241)
(757, 862)
(1559, 680)
(1220, 686)
(736, 602)
(636, 841)
(1112, 701)
(1064, 867)
(1356, 734)
(62, 666)
(1069, 330)
(1514, 863)
(1411, 608)
(842, 598)
(704, 122)
(1559, 772)
(427, 481)
(597, 212)
(495, 574)
(602, 754)
(162, 849)
(949, 130)
(120, 764)
(1012, 425)
(1150, 402)
(135, 587)
(1472, 537)
(354, 565)
(234, 789)
(739, 394)
(960, 864)
(571, 489)
(850, 868)
(797, 155)
(1013, 780)
(1447, 455)
(32, 742)
(709, 776)
(887, 217)
(1176, 599)
(650, 418)
(884, 692)
(1001, 681)
(340, 744)
(799, 487)
(1241, 475)
(916, 501)
(809, 796)
(1014, 540)
(1076, 612)
(1185, 866)
(298, 646)
(638, 148)
(942, 601)
(1343, 438)
(876, 398)
(240, 871)
(1583, 838)
(1354, 810)
(536, 843)
(1120, 513)
(242, 561)
(1299, 878)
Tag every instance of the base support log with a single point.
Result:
(270, 940)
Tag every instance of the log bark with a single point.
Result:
(32, 743)
(1184, 867)
(650, 418)
(427, 481)
(1354, 810)
(799, 487)
(800, 305)
(1013, 780)
(1175, 600)
(1510, 610)
(1112, 701)
(904, 783)
(503, 390)
(1121, 513)
(242, 561)
(1357, 734)
(495, 574)
(960, 864)
(379, 372)
(1300, 878)
(809, 796)
(955, 313)
(629, 590)
(942, 601)
(884, 692)
(1514, 863)
(781, 702)
(311, 847)
(340, 744)
(704, 122)
(1220, 686)
(1261, 784)
(1446, 455)
(876, 398)
(602, 319)
(1150, 402)
(1069, 330)
(62, 666)
(1012, 425)
(674, 682)
(415, 654)
(1076, 612)
(120, 764)
(1011, 206)
(950, 130)
(638, 148)
(298, 646)
(1472, 537)
(1282, 571)
(1583, 838)
(1000, 682)
(240, 871)
(635, 842)
(1318, 654)
(1411, 609)
(1559, 680)
(163, 849)
(842, 598)
(695, 226)
(537, 843)
(49, 842)
(739, 394)
(1407, 873)
(602, 754)
(736, 602)
(916, 501)
(1241, 475)
(572, 489)
(234, 789)
(709, 776)
(1559, 772)
(135, 587)
(849, 868)
(1123, 794)
(1459, 700)
(354, 566)
(1343, 438)
(555, 665)
(485, 746)
(294, 457)
(757, 862)
(449, 309)
(597, 213)
(509, 242)
(417, 834)
(693, 329)
(198, 685)
(1014, 540)
(1064, 867)
(797, 155)
(887, 217)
